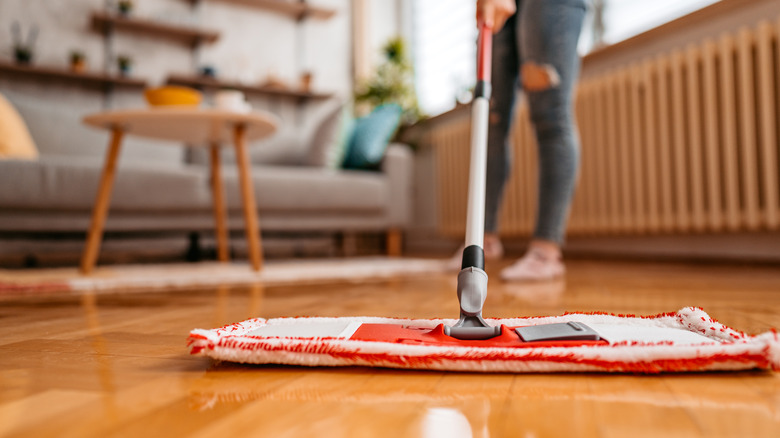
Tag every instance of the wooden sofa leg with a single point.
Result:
(394, 242)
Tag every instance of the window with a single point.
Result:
(443, 51)
(626, 18)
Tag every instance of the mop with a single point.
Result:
(687, 340)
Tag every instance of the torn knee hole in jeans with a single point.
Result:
(495, 117)
(539, 77)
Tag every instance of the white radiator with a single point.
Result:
(684, 142)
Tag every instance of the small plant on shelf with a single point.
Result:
(78, 61)
(23, 49)
(125, 65)
(23, 55)
(393, 82)
(125, 7)
(208, 71)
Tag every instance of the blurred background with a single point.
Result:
(677, 107)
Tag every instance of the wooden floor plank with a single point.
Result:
(37, 408)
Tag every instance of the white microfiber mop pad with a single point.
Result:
(688, 340)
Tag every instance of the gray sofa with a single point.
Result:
(163, 187)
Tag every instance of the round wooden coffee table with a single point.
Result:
(193, 127)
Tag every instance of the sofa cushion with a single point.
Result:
(371, 136)
(71, 183)
(283, 148)
(311, 189)
(15, 139)
(331, 138)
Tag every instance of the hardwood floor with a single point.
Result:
(116, 365)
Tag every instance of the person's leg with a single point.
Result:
(505, 71)
(548, 31)
(504, 79)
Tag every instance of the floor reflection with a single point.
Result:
(256, 294)
(540, 293)
(232, 304)
(239, 384)
(452, 422)
(99, 345)
(432, 404)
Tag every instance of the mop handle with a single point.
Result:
(473, 255)
(484, 53)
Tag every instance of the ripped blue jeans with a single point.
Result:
(537, 49)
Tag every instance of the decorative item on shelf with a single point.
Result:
(125, 65)
(173, 95)
(125, 7)
(23, 50)
(78, 61)
(393, 82)
(208, 71)
(273, 81)
(23, 55)
(231, 100)
(306, 79)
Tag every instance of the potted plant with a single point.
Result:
(23, 50)
(78, 61)
(208, 71)
(23, 55)
(125, 64)
(125, 7)
(393, 82)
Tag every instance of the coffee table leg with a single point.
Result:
(248, 197)
(220, 212)
(102, 201)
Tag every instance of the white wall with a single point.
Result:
(384, 23)
(254, 43)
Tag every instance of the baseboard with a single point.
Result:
(66, 251)
(747, 247)
(744, 247)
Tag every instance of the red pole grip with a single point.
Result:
(484, 52)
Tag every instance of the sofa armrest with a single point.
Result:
(397, 165)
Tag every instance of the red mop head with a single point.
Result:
(688, 340)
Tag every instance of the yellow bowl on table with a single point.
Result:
(171, 95)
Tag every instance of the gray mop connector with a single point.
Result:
(472, 292)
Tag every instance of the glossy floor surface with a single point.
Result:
(117, 365)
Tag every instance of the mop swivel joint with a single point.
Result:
(472, 291)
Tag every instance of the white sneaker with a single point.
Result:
(493, 251)
(535, 265)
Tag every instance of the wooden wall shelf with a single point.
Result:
(292, 8)
(86, 79)
(209, 84)
(102, 22)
